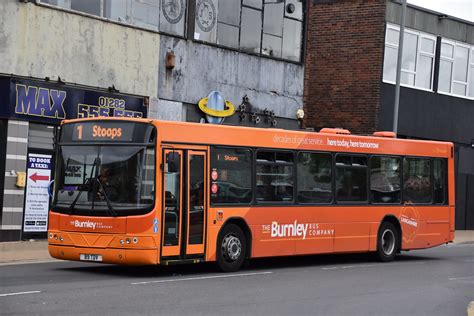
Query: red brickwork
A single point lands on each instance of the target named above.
(344, 64)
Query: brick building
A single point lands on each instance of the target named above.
(350, 67)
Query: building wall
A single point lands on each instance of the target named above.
(200, 69)
(344, 60)
(433, 115)
(41, 42)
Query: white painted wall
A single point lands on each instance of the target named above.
(42, 42)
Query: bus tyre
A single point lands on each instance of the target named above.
(231, 248)
(388, 240)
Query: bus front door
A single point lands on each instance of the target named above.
(184, 203)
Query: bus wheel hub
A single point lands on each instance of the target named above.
(231, 247)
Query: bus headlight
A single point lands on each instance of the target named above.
(135, 240)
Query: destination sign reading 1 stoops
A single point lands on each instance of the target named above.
(106, 131)
(51, 102)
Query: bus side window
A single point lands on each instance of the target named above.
(385, 179)
(314, 174)
(417, 186)
(351, 178)
(439, 177)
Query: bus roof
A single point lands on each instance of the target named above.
(227, 135)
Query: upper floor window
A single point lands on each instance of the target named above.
(264, 27)
(417, 58)
(456, 69)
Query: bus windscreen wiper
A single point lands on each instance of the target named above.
(110, 210)
(86, 186)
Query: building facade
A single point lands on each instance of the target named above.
(351, 70)
(152, 58)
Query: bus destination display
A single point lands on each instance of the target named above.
(114, 131)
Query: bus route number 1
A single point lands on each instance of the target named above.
(79, 131)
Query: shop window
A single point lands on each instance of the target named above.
(456, 69)
(314, 178)
(417, 58)
(385, 180)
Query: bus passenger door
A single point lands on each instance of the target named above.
(172, 204)
(184, 204)
(196, 193)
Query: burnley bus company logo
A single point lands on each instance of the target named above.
(88, 224)
(298, 230)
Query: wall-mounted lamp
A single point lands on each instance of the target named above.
(170, 60)
(300, 114)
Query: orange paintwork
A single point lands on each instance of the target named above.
(330, 228)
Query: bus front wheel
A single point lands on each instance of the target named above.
(388, 240)
(231, 248)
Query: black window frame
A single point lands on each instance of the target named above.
(252, 174)
(371, 202)
(444, 162)
(336, 201)
(293, 164)
(333, 198)
(430, 159)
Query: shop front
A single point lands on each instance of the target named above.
(30, 115)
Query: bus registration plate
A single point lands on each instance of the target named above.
(90, 257)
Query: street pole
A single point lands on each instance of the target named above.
(399, 67)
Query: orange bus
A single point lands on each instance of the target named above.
(145, 192)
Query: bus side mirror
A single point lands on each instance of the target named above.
(173, 161)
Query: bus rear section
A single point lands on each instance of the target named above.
(104, 193)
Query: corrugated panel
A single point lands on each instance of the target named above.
(41, 136)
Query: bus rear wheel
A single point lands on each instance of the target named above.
(388, 240)
(231, 248)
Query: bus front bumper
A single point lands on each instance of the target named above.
(105, 255)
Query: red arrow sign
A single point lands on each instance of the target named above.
(35, 177)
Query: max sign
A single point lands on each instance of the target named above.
(51, 102)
